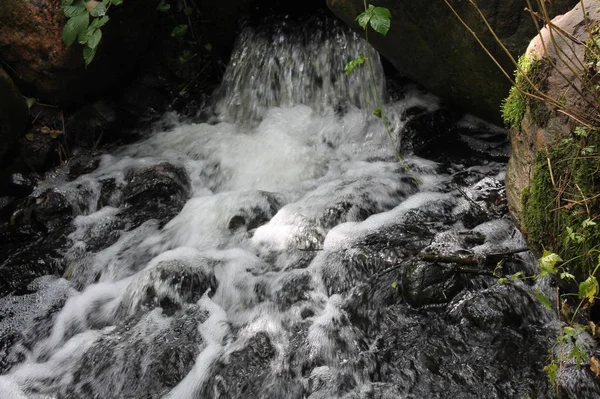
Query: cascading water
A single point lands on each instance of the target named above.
(277, 253)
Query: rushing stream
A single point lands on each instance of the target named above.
(277, 252)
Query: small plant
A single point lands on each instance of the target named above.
(379, 19)
(84, 25)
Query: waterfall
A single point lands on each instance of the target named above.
(278, 252)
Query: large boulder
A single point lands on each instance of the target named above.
(13, 113)
(428, 44)
(552, 176)
(31, 44)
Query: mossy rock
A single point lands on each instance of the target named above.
(563, 198)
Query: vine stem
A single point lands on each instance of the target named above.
(386, 123)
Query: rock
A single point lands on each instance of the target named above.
(31, 43)
(14, 114)
(542, 127)
(242, 373)
(151, 355)
(156, 192)
(425, 283)
(423, 132)
(428, 44)
(169, 285)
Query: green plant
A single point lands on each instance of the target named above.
(379, 19)
(85, 19)
(514, 106)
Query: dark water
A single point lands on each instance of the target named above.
(279, 252)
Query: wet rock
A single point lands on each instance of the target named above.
(169, 285)
(243, 372)
(425, 283)
(366, 256)
(83, 164)
(295, 288)
(52, 209)
(156, 192)
(25, 259)
(482, 202)
(144, 357)
(423, 132)
(414, 355)
(14, 114)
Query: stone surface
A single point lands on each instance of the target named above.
(13, 113)
(537, 134)
(428, 44)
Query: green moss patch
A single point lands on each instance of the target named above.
(530, 75)
(565, 193)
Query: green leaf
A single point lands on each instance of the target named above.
(99, 10)
(567, 276)
(378, 112)
(67, 2)
(381, 20)
(116, 2)
(163, 7)
(188, 11)
(85, 35)
(579, 355)
(580, 131)
(88, 54)
(364, 17)
(588, 222)
(351, 66)
(394, 285)
(30, 101)
(95, 38)
(99, 22)
(588, 289)
(74, 27)
(548, 261)
(543, 299)
(502, 280)
(180, 31)
(74, 10)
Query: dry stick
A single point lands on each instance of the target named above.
(550, 169)
(542, 96)
(585, 200)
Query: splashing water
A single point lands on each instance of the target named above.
(275, 254)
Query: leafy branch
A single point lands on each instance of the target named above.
(85, 20)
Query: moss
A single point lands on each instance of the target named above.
(530, 74)
(549, 209)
